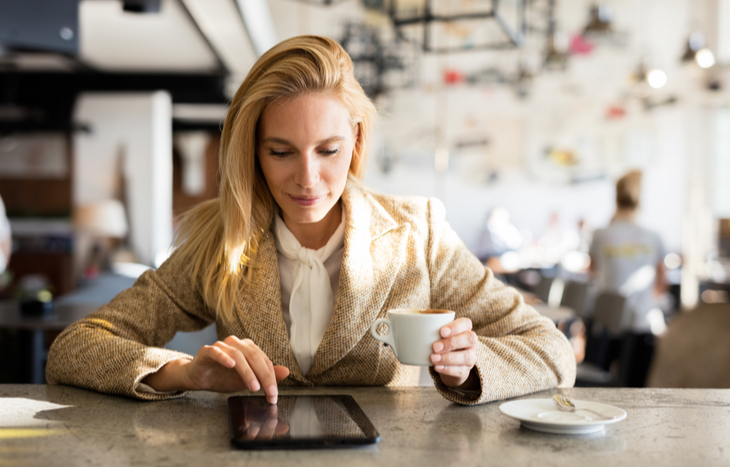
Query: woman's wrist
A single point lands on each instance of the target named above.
(472, 382)
(170, 378)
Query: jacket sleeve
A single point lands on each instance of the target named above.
(118, 345)
(519, 351)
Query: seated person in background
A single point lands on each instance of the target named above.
(499, 235)
(629, 260)
(297, 259)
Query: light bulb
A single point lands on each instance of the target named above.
(705, 58)
(657, 79)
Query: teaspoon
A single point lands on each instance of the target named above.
(564, 404)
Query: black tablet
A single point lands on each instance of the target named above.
(299, 422)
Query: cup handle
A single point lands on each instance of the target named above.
(387, 338)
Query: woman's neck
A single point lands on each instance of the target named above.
(624, 214)
(316, 235)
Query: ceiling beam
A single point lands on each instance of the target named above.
(259, 24)
(44, 101)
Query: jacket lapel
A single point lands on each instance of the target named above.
(261, 313)
(375, 249)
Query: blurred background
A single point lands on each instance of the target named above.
(520, 115)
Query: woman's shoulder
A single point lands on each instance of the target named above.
(401, 208)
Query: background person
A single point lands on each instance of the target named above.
(629, 260)
(295, 261)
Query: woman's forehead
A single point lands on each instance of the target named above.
(306, 115)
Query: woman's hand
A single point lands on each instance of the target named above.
(455, 355)
(227, 366)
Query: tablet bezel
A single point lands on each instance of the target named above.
(371, 435)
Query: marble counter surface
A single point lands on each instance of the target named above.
(64, 426)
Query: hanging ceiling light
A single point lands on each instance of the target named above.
(696, 51)
(601, 27)
(656, 78)
(705, 58)
(599, 21)
(646, 82)
(695, 42)
(647, 79)
(443, 26)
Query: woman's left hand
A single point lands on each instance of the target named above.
(455, 354)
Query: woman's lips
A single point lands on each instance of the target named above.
(306, 200)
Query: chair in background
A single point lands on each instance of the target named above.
(604, 340)
(574, 296)
(695, 351)
(541, 290)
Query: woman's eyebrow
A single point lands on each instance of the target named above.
(331, 139)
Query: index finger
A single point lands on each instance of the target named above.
(458, 326)
(262, 368)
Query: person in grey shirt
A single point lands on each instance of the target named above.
(629, 260)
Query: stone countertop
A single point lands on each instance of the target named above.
(65, 426)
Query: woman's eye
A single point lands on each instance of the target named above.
(330, 152)
(278, 153)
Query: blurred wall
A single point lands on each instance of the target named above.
(129, 142)
(508, 162)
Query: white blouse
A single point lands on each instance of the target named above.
(309, 283)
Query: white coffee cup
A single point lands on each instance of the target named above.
(412, 332)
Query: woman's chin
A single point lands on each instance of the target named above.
(306, 215)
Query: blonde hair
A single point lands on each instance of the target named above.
(628, 190)
(219, 238)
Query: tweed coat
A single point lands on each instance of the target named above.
(399, 253)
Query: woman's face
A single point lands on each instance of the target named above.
(305, 148)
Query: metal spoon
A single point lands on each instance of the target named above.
(566, 405)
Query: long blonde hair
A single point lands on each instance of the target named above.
(219, 238)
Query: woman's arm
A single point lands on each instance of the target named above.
(518, 350)
(114, 348)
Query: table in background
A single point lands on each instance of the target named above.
(64, 426)
(555, 313)
(32, 331)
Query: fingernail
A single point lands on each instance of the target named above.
(438, 347)
(255, 386)
(273, 394)
(435, 358)
(445, 331)
(438, 367)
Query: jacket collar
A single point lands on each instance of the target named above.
(374, 250)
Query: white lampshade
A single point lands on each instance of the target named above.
(102, 218)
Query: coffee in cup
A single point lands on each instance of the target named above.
(412, 332)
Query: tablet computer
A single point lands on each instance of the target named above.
(298, 422)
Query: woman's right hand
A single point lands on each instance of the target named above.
(229, 365)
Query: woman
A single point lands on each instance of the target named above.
(296, 259)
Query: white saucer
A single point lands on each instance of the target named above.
(543, 415)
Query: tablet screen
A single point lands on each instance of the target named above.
(298, 421)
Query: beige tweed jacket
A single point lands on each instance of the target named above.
(399, 253)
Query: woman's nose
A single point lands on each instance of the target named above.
(308, 171)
